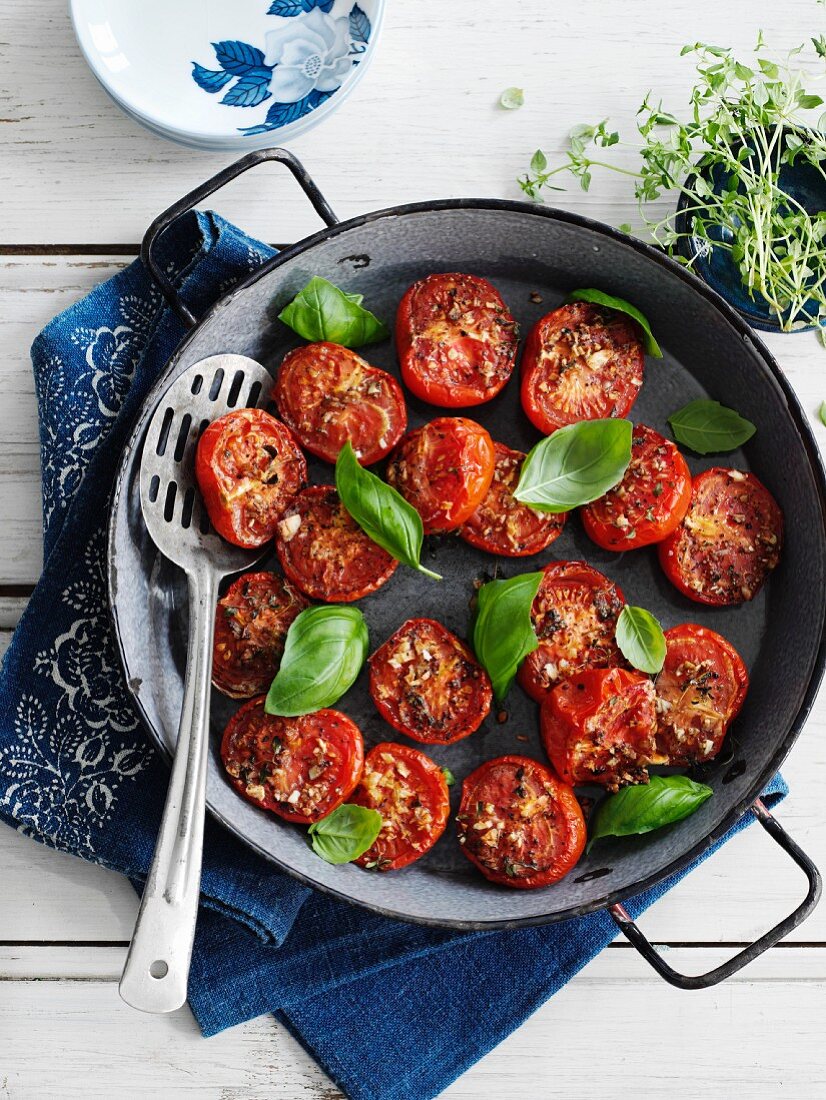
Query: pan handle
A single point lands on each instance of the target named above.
(164, 220)
(702, 981)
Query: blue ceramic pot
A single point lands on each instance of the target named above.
(715, 266)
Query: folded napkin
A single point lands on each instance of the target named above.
(391, 1011)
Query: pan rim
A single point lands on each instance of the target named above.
(795, 412)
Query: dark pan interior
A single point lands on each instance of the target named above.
(707, 352)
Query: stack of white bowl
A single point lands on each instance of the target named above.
(201, 73)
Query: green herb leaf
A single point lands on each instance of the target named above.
(539, 162)
(708, 427)
(625, 228)
(600, 298)
(808, 102)
(641, 809)
(575, 465)
(450, 778)
(346, 833)
(380, 511)
(503, 633)
(323, 654)
(822, 413)
(640, 639)
(512, 99)
(323, 312)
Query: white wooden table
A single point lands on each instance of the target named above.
(78, 185)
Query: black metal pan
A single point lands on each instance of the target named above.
(526, 251)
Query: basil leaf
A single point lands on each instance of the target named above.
(708, 427)
(599, 298)
(640, 639)
(575, 465)
(512, 99)
(323, 654)
(822, 413)
(323, 312)
(450, 778)
(503, 633)
(634, 810)
(380, 511)
(346, 833)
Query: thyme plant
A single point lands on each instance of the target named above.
(744, 125)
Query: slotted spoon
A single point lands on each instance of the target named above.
(157, 965)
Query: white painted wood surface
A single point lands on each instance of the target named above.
(74, 173)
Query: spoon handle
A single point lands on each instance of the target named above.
(155, 974)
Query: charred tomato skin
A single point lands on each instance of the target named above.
(456, 340)
(649, 502)
(428, 685)
(600, 727)
(581, 362)
(299, 768)
(500, 524)
(324, 552)
(410, 792)
(248, 466)
(328, 394)
(444, 468)
(251, 624)
(728, 541)
(574, 615)
(519, 824)
(700, 691)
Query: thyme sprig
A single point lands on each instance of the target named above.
(745, 123)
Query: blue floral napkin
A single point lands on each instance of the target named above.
(391, 1011)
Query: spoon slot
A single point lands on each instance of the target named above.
(183, 436)
(163, 437)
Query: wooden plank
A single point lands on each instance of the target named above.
(11, 608)
(66, 962)
(34, 289)
(424, 122)
(619, 963)
(734, 897)
(88, 1042)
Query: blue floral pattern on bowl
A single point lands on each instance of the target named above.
(306, 57)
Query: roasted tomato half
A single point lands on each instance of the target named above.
(426, 683)
(729, 540)
(574, 615)
(251, 624)
(411, 794)
(444, 470)
(648, 503)
(455, 339)
(699, 693)
(325, 553)
(600, 727)
(248, 466)
(300, 768)
(327, 394)
(519, 824)
(501, 525)
(581, 362)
